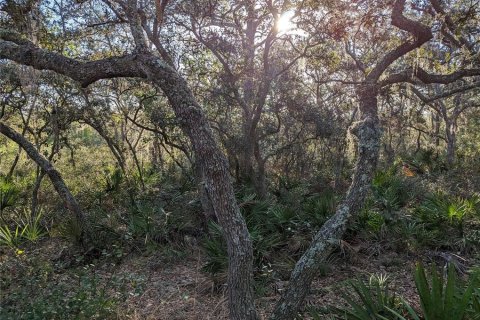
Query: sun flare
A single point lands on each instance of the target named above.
(284, 23)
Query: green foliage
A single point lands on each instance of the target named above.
(42, 298)
(370, 301)
(427, 161)
(216, 250)
(147, 221)
(390, 191)
(27, 227)
(320, 207)
(70, 229)
(440, 300)
(373, 221)
(443, 298)
(411, 234)
(8, 194)
(440, 208)
(442, 214)
(10, 238)
(32, 229)
(113, 178)
(279, 232)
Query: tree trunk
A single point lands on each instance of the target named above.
(211, 162)
(216, 181)
(252, 170)
(136, 161)
(36, 189)
(247, 155)
(367, 130)
(436, 128)
(451, 135)
(260, 181)
(55, 177)
(112, 145)
(207, 207)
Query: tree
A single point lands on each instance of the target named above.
(449, 112)
(153, 60)
(55, 177)
(253, 51)
(368, 133)
(211, 163)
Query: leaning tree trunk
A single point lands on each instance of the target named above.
(55, 177)
(208, 209)
(367, 130)
(216, 182)
(212, 164)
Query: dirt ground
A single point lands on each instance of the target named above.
(180, 290)
(177, 288)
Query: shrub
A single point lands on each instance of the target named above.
(8, 194)
(43, 298)
(32, 230)
(10, 238)
(443, 299)
(27, 227)
(370, 301)
(113, 178)
(390, 191)
(442, 214)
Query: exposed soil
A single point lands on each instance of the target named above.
(176, 288)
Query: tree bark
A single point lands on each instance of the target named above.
(35, 191)
(55, 176)
(111, 143)
(216, 181)
(211, 162)
(368, 133)
(451, 137)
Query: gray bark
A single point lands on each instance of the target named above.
(217, 184)
(55, 176)
(211, 162)
(367, 130)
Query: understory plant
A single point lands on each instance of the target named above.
(32, 228)
(10, 238)
(442, 296)
(390, 191)
(370, 301)
(83, 296)
(279, 232)
(8, 194)
(26, 227)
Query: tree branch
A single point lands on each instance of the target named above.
(414, 75)
(22, 51)
(46, 166)
(421, 33)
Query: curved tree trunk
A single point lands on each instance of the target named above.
(55, 177)
(216, 182)
(211, 162)
(367, 130)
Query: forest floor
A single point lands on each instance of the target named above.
(173, 286)
(180, 290)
